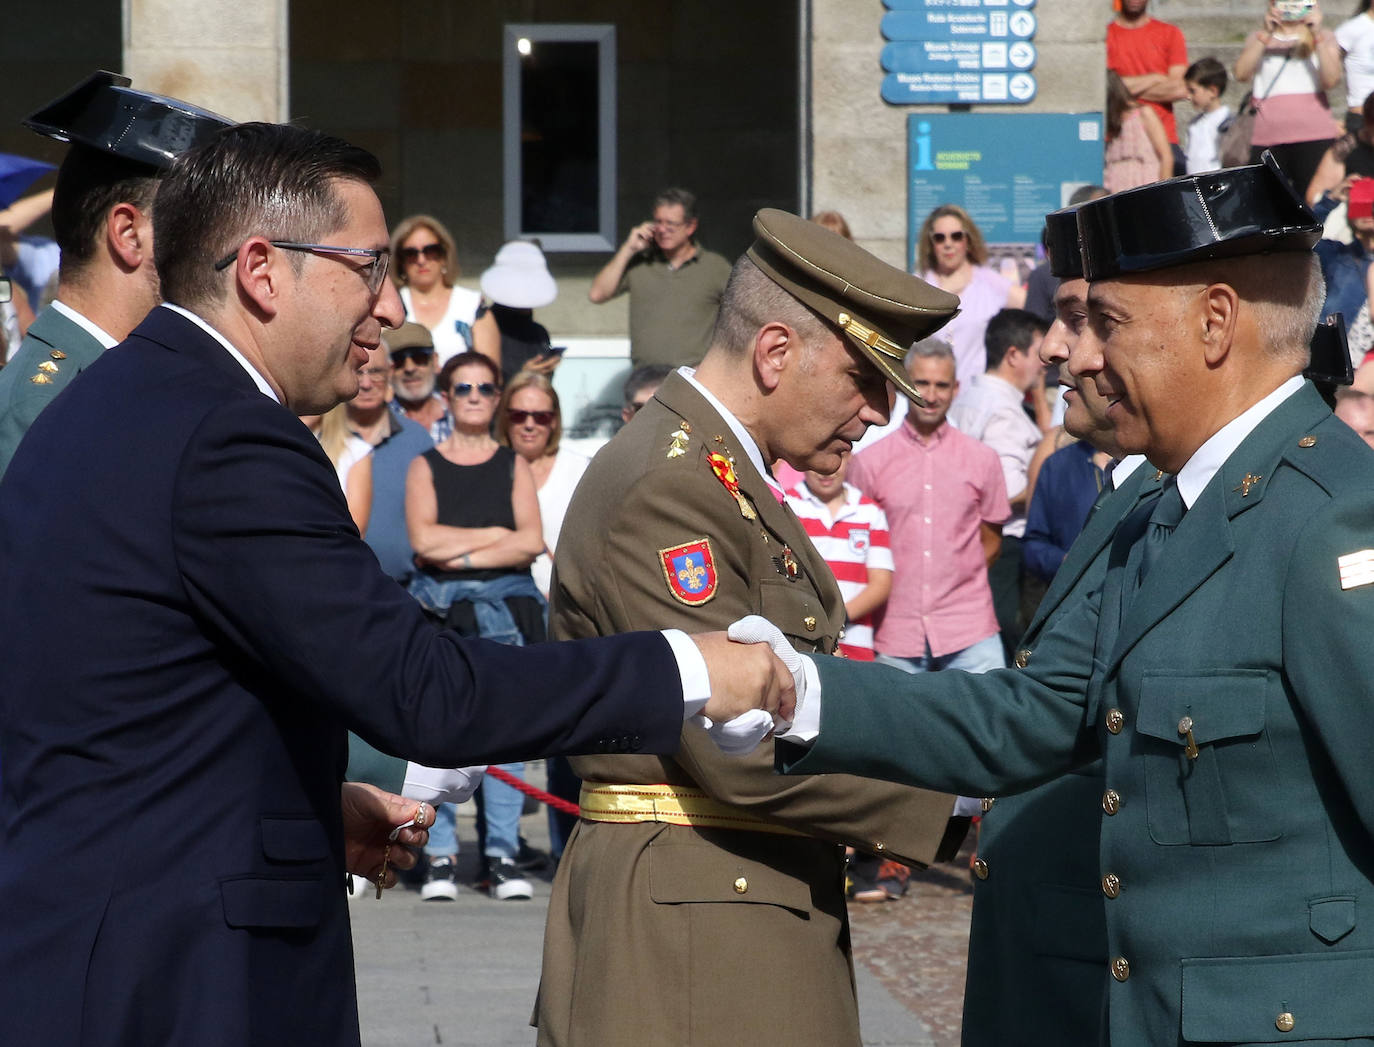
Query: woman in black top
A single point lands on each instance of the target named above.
(473, 518)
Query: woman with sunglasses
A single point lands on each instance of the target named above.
(951, 254)
(424, 266)
(473, 519)
(531, 423)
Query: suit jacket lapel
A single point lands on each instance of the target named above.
(682, 398)
(173, 331)
(1096, 533)
(1205, 539)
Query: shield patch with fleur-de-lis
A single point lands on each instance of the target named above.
(691, 571)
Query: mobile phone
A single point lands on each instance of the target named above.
(1293, 10)
(7, 291)
(555, 350)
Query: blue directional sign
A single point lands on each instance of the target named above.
(930, 22)
(940, 88)
(921, 56)
(1007, 171)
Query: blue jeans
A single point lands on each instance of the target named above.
(975, 658)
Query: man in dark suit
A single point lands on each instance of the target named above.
(1223, 682)
(122, 142)
(172, 840)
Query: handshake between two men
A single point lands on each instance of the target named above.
(746, 683)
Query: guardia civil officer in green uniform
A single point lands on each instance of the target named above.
(701, 897)
(122, 140)
(1224, 683)
(1038, 937)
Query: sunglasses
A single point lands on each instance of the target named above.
(957, 236)
(538, 417)
(415, 354)
(432, 253)
(466, 388)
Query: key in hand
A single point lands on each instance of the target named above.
(381, 877)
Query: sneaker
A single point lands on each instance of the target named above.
(861, 882)
(506, 883)
(441, 882)
(893, 878)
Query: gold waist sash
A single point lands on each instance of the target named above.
(673, 804)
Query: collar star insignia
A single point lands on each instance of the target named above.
(1246, 482)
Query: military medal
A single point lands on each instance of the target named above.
(790, 567)
(1246, 482)
(725, 473)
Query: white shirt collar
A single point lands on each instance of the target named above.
(98, 333)
(253, 372)
(746, 442)
(1198, 471)
(1121, 472)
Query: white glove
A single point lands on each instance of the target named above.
(754, 628)
(740, 736)
(438, 785)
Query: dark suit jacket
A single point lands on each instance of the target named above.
(53, 352)
(1246, 867)
(191, 624)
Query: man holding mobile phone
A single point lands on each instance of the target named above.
(674, 284)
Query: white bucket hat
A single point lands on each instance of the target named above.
(520, 277)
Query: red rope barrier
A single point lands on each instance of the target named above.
(556, 802)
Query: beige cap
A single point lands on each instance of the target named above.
(409, 335)
(882, 309)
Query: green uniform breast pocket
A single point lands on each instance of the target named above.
(1210, 775)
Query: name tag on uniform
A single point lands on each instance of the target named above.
(1356, 568)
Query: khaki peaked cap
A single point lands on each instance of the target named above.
(882, 309)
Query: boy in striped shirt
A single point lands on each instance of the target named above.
(849, 530)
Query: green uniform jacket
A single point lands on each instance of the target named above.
(1038, 941)
(52, 353)
(1241, 871)
(658, 933)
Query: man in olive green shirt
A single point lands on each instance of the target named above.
(674, 284)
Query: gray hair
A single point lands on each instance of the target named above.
(751, 299)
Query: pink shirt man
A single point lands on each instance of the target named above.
(936, 493)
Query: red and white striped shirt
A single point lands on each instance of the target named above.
(852, 542)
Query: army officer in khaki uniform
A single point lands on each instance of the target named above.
(701, 898)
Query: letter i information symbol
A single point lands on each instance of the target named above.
(923, 147)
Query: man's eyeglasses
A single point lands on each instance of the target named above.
(432, 253)
(374, 272)
(538, 417)
(957, 236)
(663, 223)
(417, 354)
(466, 388)
(375, 374)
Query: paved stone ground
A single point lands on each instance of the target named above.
(464, 973)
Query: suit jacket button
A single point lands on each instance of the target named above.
(1285, 1022)
(1023, 657)
(810, 623)
(1111, 885)
(1307, 441)
(1121, 968)
(741, 885)
(980, 869)
(1116, 720)
(1111, 802)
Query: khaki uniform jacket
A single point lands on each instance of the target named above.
(668, 934)
(1242, 853)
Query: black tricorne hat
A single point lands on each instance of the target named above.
(105, 113)
(1220, 214)
(1061, 244)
